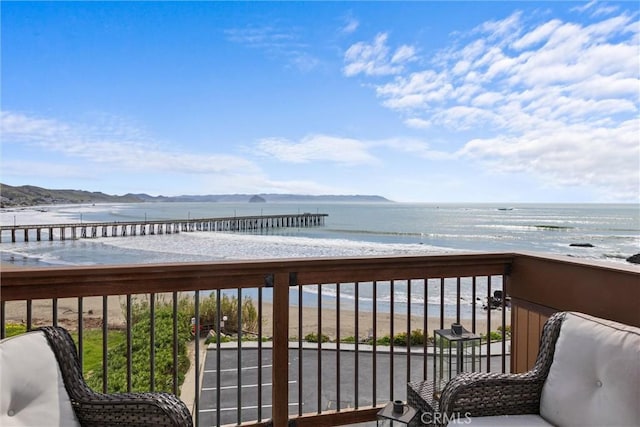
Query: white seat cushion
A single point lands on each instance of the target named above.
(502, 421)
(32, 391)
(594, 379)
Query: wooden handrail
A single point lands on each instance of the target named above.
(58, 282)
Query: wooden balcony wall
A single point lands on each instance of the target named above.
(542, 285)
(26, 284)
(537, 284)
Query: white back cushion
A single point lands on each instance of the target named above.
(32, 391)
(594, 379)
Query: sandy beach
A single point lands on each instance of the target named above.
(92, 307)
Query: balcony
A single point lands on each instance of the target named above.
(279, 377)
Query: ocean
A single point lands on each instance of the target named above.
(351, 229)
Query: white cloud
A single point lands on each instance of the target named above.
(417, 123)
(553, 98)
(415, 147)
(502, 30)
(314, 148)
(560, 157)
(280, 43)
(596, 7)
(537, 35)
(376, 59)
(351, 26)
(117, 145)
(27, 169)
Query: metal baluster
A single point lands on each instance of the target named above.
(152, 342)
(129, 344)
(80, 333)
(357, 347)
(239, 357)
(259, 354)
(391, 332)
(319, 390)
(338, 348)
(175, 343)
(375, 342)
(300, 376)
(488, 323)
(408, 330)
(105, 331)
(54, 311)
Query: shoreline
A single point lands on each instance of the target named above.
(15, 312)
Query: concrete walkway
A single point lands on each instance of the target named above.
(188, 391)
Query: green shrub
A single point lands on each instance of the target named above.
(141, 338)
(228, 307)
(213, 339)
(417, 337)
(493, 336)
(385, 340)
(312, 337)
(400, 339)
(348, 340)
(507, 330)
(11, 329)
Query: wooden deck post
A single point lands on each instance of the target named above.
(280, 374)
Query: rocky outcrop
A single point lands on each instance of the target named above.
(634, 259)
(582, 245)
(257, 199)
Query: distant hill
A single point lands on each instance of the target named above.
(28, 195)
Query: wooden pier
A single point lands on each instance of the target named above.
(88, 230)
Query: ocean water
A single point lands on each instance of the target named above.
(351, 229)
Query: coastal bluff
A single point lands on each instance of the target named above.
(29, 195)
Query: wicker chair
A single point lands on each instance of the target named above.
(88, 407)
(586, 373)
(486, 394)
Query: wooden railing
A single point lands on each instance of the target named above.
(536, 284)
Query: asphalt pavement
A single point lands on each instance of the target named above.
(239, 391)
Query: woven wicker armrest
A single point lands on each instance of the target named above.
(132, 409)
(120, 409)
(483, 394)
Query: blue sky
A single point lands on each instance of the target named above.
(414, 101)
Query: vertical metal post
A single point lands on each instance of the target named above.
(319, 389)
(391, 332)
(356, 388)
(54, 311)
(441, 303)
(105, 332)
(488, 323)
(408, 330)
(375, 342)
(152, 342)
(129, 322)
(425, 328)
(473, 305)
(300, 373)
(80, 332)
(259, 354)
(218, 354)
(196, 308)
(280, 398)
(3, 329)
(239, 357)
(29, 315)
(504, 323)
(338, 348)
(458, 299)
(175, 342)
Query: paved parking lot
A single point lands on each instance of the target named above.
(241, 404)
